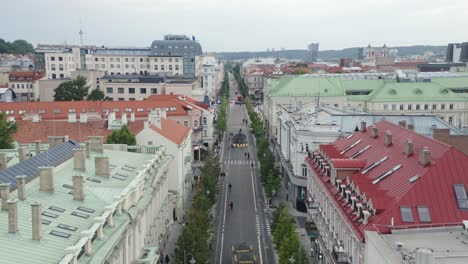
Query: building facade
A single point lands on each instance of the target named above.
(312, 52)
(25, 84)
(77, 217)
(378, 179)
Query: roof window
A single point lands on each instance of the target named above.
(67, 227)
(423, 214)
(373, 165)
(49, 214)
(406, 214)
(360, 151)
(80, 214)
(86, 209)
(383, 176)
(93, 180)
(60, 234)
(45, 222)
(57, 209)
(460, 193)
(351, 146)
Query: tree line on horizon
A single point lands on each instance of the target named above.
(18, 46)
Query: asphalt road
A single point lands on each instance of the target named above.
(249, 220)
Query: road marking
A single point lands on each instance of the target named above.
(222, 230)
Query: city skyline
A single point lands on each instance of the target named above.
(224, 25)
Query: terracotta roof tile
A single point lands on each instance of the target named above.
(172, 130)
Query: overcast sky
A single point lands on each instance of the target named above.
(238, 25)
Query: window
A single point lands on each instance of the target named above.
(434, 107)
(60, 58)
(385, 107)
(126, 66)
(418, 107)
(141, 59)
(131, 99)
(195, 123)
(304, 170)
(118, 66)
(406, 214)
(409, 107)
(451, 106)
(96, 66)
(121, 99)
(103, 66)
(111, 59)
(393, 107)
(109, 90)
(176, 59)
(402, 107)
(52, 66)
(307, 147)
(121, 90)
(117, 59)
(133, 59)
(204, 120)
(126, 59)
(112, 66)
(103, 59)
(170, 67)
(450, 120)
(423, 214)
(186, 123)
(155, 67)
(131, 90)
(162, 67)
(426, 107)
(460, 193)
(170, 59)
(54, 76)
(442, 107)
(143, 90)
(62, 76)
(96, 59)
(154, 90)
(155, 59)
(52, 58)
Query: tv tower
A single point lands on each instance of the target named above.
(81, 37)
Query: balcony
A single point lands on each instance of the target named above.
(339, 256)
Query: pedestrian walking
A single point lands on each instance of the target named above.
(248, 155)
(251, 164)
(167, 259)
(231, 204)
(230, 186)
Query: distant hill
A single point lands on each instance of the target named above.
(328, 54)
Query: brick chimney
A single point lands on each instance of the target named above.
(21, 185)
(36, 221)
(12, 216)
(46, 179)
(95, 143)
(3, 161)
(363, 126)
(425, 156)
(388, 138)
(374, 132)
(37, 144)
(79, 159)
(78, 194)
(402, 123)
(101, 165)
(408, 148)
(4, 194)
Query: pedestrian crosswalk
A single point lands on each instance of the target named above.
(238, 162)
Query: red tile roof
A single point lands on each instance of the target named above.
(60, 110)
(173, 131)
(26, 75)
(348, 163)
(433, 188)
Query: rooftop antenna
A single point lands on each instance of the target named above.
(81, 37)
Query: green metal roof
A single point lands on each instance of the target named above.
(21, 248)
(380, 90)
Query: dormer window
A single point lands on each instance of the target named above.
(350, 147)
(460, 193)
(423, 214)
(360, 151)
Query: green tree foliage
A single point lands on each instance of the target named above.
(97, 95)
(195, 238)
(16, 47)
(74, 90)
(221, 121)
(122, 136)
(285, 237)
(7, 129)
(240, 81)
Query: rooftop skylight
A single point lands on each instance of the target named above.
(351, 146)
(360, 151)
(60, 234)
(86, 209)
(373, 165)
(383, 176)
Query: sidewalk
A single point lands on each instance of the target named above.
(300, 220)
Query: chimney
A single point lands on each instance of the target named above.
(21, 185)
(37, 144)
(71, 117)
(366, 217)
(46, 179)
(83, 117)
(23, 153)
(88, 154)
(411, 127)
(363, 126)
(402, 123)
(12, 216)
(3, 161)
(36, 221)
(425, 156)
(79, 159)
(408, 148)
(55, 140)
(78, 194)
(95, 143)
(388, 138)
(4, 193)
(132, 117)
(102, 166)
(374, 132)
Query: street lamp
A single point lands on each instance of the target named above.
(292, 260)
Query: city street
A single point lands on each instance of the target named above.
(249, 220)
